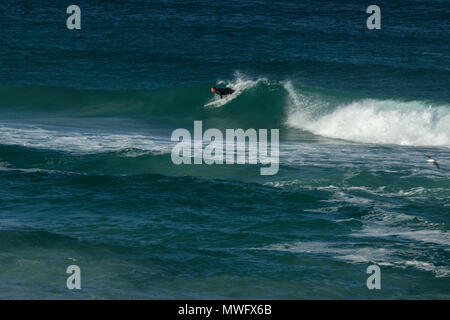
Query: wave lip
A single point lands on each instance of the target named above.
(413, 123)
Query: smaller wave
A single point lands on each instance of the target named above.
(38, 170)
(79, 142)
(396, 225)
(353, 255)
(381, 256)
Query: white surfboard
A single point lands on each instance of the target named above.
(218, 102)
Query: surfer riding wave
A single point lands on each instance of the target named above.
(222, 91)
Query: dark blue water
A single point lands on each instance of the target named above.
(86, 175)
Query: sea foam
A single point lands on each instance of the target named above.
(413, 123)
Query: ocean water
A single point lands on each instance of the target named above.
(86, 176)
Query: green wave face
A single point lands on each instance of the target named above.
(260, 103)
(172, 105)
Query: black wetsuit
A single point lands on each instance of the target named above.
(224, 91)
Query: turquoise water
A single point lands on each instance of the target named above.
(86, 176)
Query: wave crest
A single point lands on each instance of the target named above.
(413, 123)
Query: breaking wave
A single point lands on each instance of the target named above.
(257, 103)
(413, 123)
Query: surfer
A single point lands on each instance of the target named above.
(222, 91)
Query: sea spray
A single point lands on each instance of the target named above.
(412, 123)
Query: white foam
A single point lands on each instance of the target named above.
(348, 253)
(38, 170)
(339, 252)
(411, 123)
(78, 142)
(422, 235)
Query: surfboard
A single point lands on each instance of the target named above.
(218, 102)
